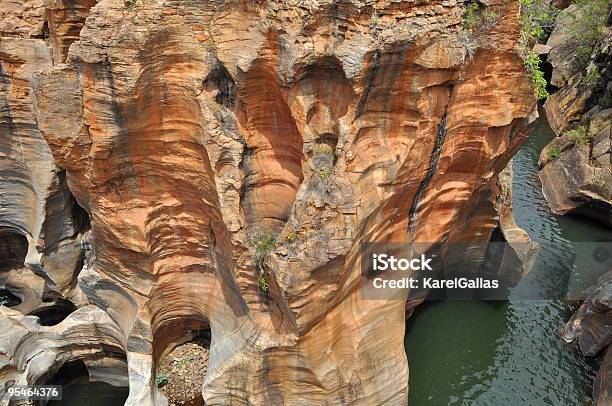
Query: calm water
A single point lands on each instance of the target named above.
(83, 393)
(508, 353)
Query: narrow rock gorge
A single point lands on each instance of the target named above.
(176, 168)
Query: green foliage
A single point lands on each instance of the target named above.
(553, 153)
(587, 27)
(532, 64)
(477, 17)
(262, 243)
(161, 379)
(591, 79)
(324, 173)
(292, 236)
(580, 135)
(471, 16)
(477, 20)
(263, 283)
(537, 20)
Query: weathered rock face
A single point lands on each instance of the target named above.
(185, 130)
(602, 390)
(576, 174)
(576, 171)
(40, 223)
(591, 329)
(64, 19)
(579, 178)
(591, 324)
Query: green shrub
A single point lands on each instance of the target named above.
(580, 135)
(161, 379)
(587, 28)
(292, 236)
(532, 64)
(591, 79)
(477, 18)
(471, 16)
(263, 283)
(324, 173)
(537, 21)
(477, 21)
(262, 243)
(553, 153)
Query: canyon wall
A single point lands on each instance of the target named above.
(576, 170)
(217, 165)
(576, 167)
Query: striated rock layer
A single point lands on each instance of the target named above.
(188, 130)
(40, 222)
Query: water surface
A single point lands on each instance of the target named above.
(81, 392)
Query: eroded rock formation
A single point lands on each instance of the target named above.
(187, 129)
(591, 329)
(40, 222)
(576, 169)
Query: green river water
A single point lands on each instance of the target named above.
(508, 353)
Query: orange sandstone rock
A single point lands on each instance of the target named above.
(185, 126)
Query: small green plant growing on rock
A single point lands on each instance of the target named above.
(262, 243)
(591, 79)
(470, 17)
(263, 283)
(537, 21)
(478, 18)
(291, 237)
(553, 153)
(580, 135)
(477, 21)
(322, 165)
(161, 379)
(588, 27)
(532, 64)
(324, 173)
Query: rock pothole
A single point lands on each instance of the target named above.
(54, 314)
(8, 299)
(181, 373)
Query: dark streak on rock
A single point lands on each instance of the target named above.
(433, 166)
